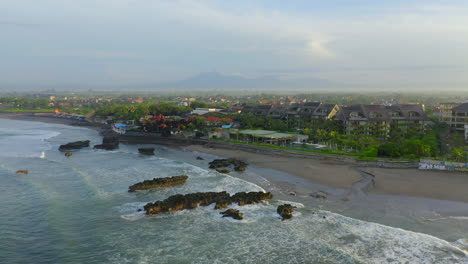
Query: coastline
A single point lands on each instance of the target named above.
(47, 118)
(346, 186)
(337, 174)
(437, 185)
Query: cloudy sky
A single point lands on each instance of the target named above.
(397, 44)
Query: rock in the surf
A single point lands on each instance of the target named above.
(192, 200)
(235, 214)
(158, 182)
(68, 154)
(146, 151)
(285, 211)
(106, 146)
(74, 145)
(222, 163)
(108, 143)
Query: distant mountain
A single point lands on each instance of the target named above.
(215, 80)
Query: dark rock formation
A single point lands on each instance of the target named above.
(158, 182)
(222, 163)
(192, 200)
(235, 214)
(146, 151)
(108, 143)
(68, 154)
(200, 158)
(110, 140)
(107, 146)
(285, 211)
(223, 170)
(74, 145)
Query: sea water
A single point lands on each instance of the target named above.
(78, 210)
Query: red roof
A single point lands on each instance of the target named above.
(213, 119)
(228, 119)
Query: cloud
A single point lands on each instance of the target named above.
(319, 48)
(188, 36)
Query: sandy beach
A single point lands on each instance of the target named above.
(438, 185)
(406, 182)
(46, 118)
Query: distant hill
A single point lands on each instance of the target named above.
(215, 80)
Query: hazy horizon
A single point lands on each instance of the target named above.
(188, 45)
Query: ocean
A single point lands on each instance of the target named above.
(79, 210)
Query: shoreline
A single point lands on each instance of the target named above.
(349, 190)
(48, 118)
(329, 172)
(448, 186)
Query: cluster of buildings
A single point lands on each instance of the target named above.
(360, 119)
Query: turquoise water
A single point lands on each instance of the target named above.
(78, 210)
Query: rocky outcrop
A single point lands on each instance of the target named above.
(74, 145)
(68, 154)
(158, 182)
(222, 163)
(235, 214)
(200, 158)
(110, 140)
(108, 143)
(146, 151)
(225, 171)
(193, 200)
(285, 211)
(22, 171)
(107, 146)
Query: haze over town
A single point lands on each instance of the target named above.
(268, 45)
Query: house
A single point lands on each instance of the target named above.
(459, 117)
(378, 120)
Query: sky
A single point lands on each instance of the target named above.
(378, 45)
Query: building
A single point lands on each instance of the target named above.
(459, 117)
(379, 120)
(445, 110)
(466, 134)
(204, 111)
(300, 114)
(267, 137)
(297, 114)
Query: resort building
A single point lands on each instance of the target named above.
(459, 117)
(299, 114)
(445, 110)
(379, 120)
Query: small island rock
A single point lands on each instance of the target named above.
(235, 214)
(285, 211)
(158, 182)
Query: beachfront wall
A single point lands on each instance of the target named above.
(442, 165)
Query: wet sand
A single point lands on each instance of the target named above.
(438, 185)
